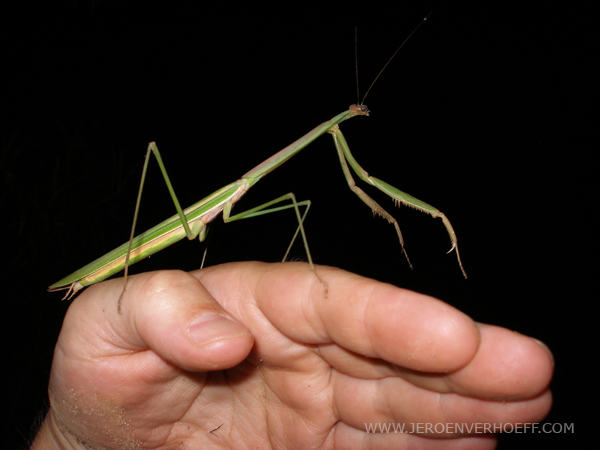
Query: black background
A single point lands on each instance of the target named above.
(486, 113)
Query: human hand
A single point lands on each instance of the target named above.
(289, 368)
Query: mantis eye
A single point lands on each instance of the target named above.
(363, 109)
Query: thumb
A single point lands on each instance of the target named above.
(170, 313)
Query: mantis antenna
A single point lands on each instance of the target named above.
(386, 64)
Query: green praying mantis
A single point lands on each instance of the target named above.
(192, 222)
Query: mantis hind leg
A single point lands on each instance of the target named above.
(191, 234)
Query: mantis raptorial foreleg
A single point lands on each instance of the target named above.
(397, 195)
(375, 207)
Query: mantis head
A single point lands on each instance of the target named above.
(360, 110)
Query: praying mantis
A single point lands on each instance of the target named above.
(192, 222)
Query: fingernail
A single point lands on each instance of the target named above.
(213, 327)
(545, 347)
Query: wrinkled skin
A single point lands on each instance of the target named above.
(273, 362)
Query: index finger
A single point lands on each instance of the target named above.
(362, 315)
